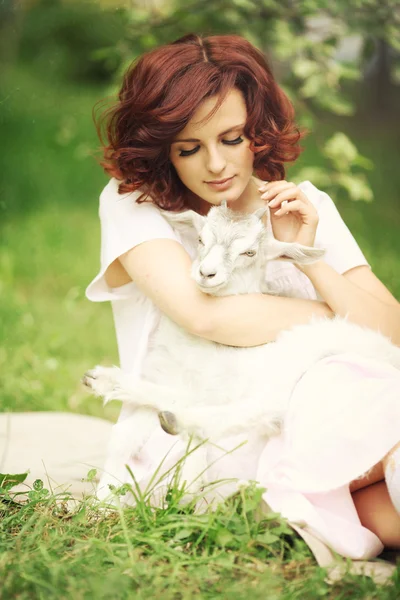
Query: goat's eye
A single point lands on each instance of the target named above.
(201, 241)
(249, 253)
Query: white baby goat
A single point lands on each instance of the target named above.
(212, 390)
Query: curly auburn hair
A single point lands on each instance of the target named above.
(159, 95)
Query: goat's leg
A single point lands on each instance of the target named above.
(215, 422)
(127, 439)
(114, 384)
(181, 410)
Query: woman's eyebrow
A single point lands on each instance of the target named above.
(222, 133)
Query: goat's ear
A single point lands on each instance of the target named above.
(292, 252)
(260, 212)
(185, 220)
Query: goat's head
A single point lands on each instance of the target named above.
(229, 242)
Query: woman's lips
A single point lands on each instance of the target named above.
(221, 186)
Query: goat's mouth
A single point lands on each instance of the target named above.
(210, 284)
(208, 287)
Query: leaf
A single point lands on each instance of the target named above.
(356, 186)
(182, 534)
(12, 480)
(312, 86)
(303, 67)
(341, 150)
(349, 71)
(91, 474)
(267, 538)
(38, 485)
(224, 537)
(271, 516)
(336, 104)
(364, 162)
(320, 177)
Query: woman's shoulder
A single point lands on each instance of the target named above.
(111, 199)
(122, 217)
(315, 195)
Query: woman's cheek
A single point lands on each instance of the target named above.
(187, 173)
(248, 154)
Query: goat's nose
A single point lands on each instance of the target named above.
(207, 275)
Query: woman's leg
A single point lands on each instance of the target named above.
(373, 476)
(377, 513)
(391, 465)
(373, 502)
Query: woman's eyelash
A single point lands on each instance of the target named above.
(229, 142)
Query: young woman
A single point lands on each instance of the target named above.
(198, 121)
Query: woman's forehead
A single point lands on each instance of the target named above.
(231, 113)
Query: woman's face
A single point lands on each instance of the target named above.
(215, 151)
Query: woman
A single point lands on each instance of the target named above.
(194, 121)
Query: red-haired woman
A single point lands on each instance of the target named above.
(198, 121)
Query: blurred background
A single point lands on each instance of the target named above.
(339, 63)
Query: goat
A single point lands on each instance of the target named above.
(210, 390)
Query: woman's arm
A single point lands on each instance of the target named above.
(359, 295)
(161, 270)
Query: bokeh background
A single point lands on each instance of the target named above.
(339, 63)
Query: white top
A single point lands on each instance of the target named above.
(125, 224)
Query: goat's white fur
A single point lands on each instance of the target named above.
(216, 390)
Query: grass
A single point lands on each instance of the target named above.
(49, 550)
(171, 552)
(51, 334)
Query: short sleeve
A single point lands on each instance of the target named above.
(124, 224)
(342, 251)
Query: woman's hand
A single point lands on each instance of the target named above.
(293, 217)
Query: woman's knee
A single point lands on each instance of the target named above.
(373, 476)
(377, 513)
(389, 456)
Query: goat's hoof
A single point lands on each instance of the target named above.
(102, 380)
(168, 422)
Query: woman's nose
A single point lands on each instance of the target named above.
(216, 162)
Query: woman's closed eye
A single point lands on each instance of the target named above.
(238, 140)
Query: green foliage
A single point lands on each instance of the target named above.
(86, 41)
(53, 547)
(68, 38)
(305, 63)
(343, 158)
(171, 551)
(8, 481)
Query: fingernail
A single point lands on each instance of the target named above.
(264, 195)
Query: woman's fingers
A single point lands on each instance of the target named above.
(274, 188)
(283, 191)
(283, 204)
(289, 195)
(294, 218)
(299, 207)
